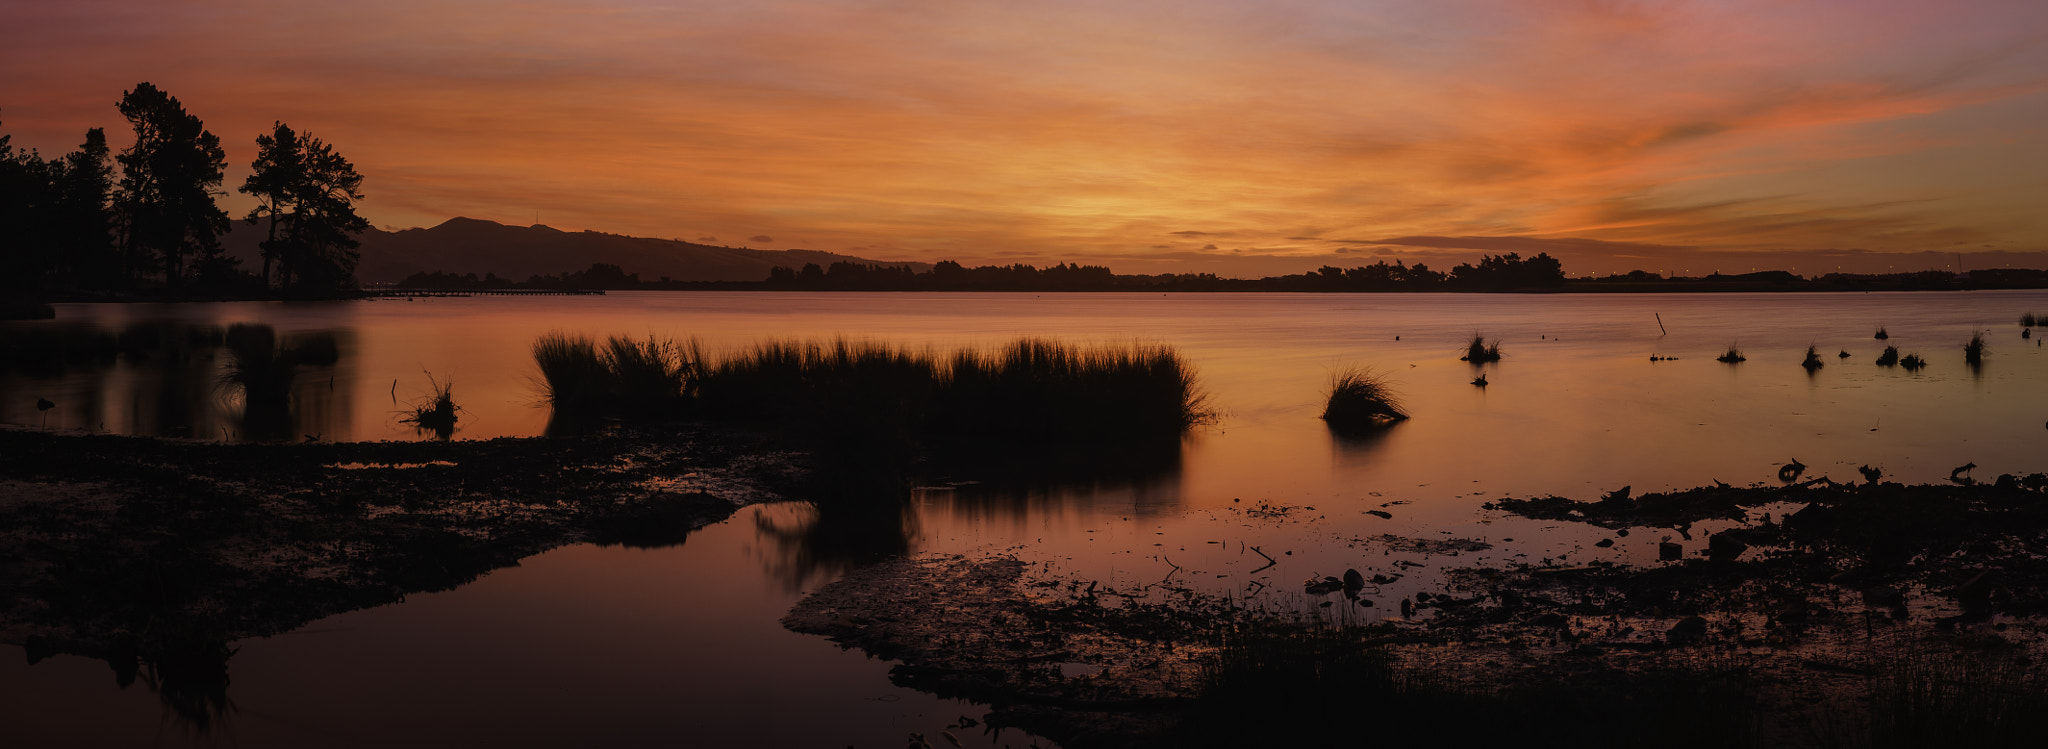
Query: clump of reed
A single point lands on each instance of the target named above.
(1912, 362)
(1361, 399)
(1916, 699)
(1732, 356)
(1035, 389)
(2029, 319)
(624, 378)
(572, 375)
(1479, 351)
(858, 404)
(1813, 361)
(1889, 357)
(434, 414)
(1881, 335)
(870, 405)
(1973, 352)
(649, 378)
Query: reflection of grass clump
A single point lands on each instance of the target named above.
(1478, 351)
(1889, 357)
(1912, 362)
(1973, 352)
(1732, 356)
(1360, 399)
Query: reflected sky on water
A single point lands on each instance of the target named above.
(627, 644)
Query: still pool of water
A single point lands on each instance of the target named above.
(610, 645)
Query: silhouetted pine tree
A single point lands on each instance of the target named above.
(307, 191)
(169, 179)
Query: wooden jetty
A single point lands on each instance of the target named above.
(389, 292)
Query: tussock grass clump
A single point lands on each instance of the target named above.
(1036, 389)
(1973, 352)
(624, 378)
(873, 404)
(572, 375)
(1881, 335)
(649, 378)
(436, 413)
(1912, 362)
(1889, 357)
(798, 381)
(1732, 356)
(1361, 399)
(1479, 351)
(1813, 361)
(2029, 320)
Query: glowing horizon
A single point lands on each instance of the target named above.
(1146, 136)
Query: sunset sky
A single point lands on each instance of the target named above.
(1195, 135)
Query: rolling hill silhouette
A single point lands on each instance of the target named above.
(466, 245)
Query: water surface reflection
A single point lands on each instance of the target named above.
(172, 378)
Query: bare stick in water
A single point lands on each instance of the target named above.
(1660, 324)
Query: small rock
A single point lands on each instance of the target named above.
(1722, 547)
(1687, 631)
(1605, 543)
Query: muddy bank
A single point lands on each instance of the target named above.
(1806, 615)
(154, 555)
(1078, 663)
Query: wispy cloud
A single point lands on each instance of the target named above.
(1071, 129)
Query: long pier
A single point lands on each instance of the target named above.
(480, 292)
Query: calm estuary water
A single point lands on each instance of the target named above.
(588, 645)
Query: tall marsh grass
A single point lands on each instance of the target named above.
(1036, 389)
(1361, 399)
(873, 402)
(624, 378)
(1973, 352)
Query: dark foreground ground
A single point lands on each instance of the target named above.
(1816, 614)
(154, 555)
(1879, 615)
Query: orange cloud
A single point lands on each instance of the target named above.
(986, 131)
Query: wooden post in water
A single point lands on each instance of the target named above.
(1660, 324)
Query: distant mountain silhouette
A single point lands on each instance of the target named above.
(467, 245)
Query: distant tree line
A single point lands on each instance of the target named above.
(1493, 273)
(76, 224)
(597, 276)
